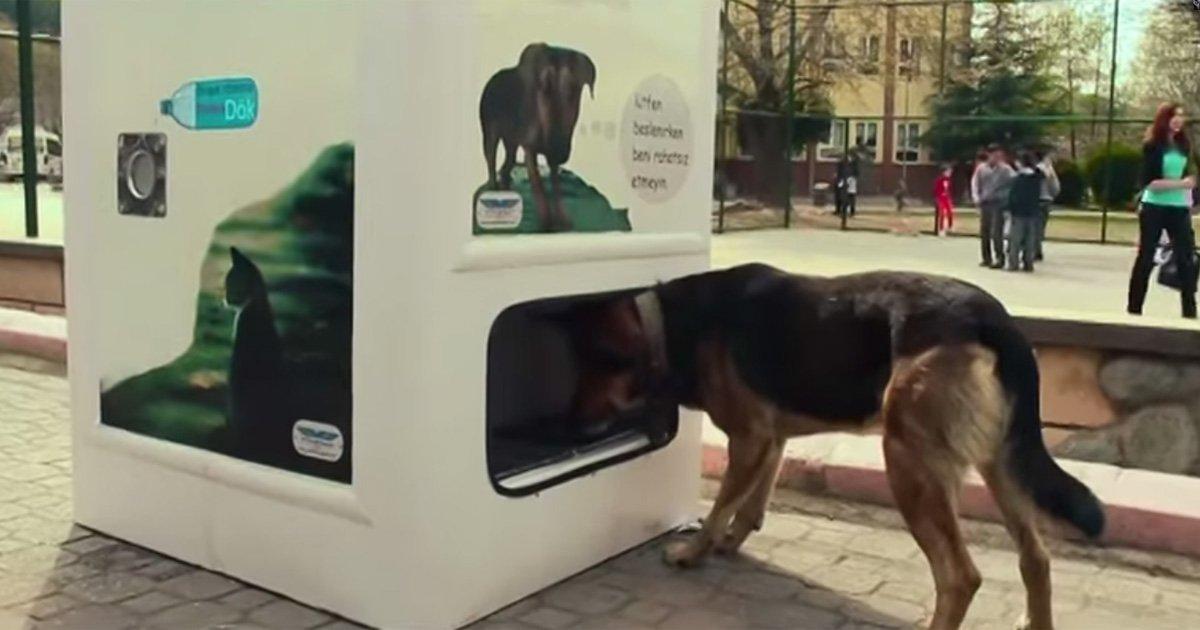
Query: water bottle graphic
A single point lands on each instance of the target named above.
(226, 103)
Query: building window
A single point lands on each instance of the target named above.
(831, 147)
(910, 62)
(866, 138)
(908, 142)
(962, 55)
(833, 47)
(870, 53)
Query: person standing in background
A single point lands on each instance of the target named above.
(852, 186)
(1167, 178)
(839, 186)
(1050, 190)
(1024, 208)
(980, 160)
(993, 179)
(943, 202)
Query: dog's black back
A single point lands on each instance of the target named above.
(821, 347)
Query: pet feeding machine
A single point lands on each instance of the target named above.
(315, 307)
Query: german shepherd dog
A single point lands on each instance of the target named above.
(771, 355)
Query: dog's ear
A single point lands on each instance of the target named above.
(583, 71)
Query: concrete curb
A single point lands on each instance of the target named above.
(33, 334)
(1145, 510)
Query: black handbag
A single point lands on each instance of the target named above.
(1168, 271)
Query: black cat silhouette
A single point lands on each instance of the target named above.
(270, 391)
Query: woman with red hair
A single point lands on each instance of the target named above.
(1166, 206)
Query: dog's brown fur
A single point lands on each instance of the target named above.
(944, 409)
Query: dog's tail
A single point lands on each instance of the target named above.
(1051, 488)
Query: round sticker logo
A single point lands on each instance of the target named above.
(656, 139)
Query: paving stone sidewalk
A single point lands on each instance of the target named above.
(803, 571)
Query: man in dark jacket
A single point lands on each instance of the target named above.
(1024, 208)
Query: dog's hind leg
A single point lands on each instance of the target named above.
(748, 454)
(1021, 520)
(943, 412)
(749, 518)
(929, 508)
(545, 213)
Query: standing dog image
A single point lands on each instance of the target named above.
(535, 106)
(771, 355)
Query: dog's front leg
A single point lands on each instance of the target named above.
(749, 518)
(559, 216)
(748, 454)
(545, 213)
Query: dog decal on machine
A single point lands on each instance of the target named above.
(534, 106)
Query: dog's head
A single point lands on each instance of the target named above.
(556, 78)
(615, 363)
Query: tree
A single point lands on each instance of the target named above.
(1165, 66)
(1112, 174)
(47, 85)
(1006, 77)
(1071, 39)
(44, 14)
(47, 82)
(755, 34)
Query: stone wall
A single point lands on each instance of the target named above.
(31, 277)
(1131, 410)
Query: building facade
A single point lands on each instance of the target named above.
(875, 65)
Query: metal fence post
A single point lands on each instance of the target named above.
(28, 123)
(791, 112)
(721, 89)
(1108, 165)
(942, 54)
(845, 212)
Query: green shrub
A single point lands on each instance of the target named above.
(1070, 180)
(1125, 181)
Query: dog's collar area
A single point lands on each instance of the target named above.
(650, 312)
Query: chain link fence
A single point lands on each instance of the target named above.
(841, 115)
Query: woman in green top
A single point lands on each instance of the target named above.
(1166, 206)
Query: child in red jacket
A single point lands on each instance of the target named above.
(945, 206)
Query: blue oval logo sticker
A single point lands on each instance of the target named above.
(499, 209)
(317, 440)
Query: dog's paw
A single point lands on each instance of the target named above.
(729, 545)
(682, 554)
(733, 540)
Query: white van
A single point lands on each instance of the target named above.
(49, 154)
